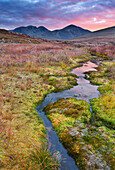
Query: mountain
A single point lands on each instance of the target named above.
(12, 37)
(69, 32)
(106, 30)
(66, 33)
(103, 35)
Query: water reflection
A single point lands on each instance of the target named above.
(85, 91)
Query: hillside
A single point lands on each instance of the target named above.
(106, 30)
(68, 32)
(11, 37)
(102, 36)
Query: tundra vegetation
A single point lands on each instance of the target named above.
(30, 71)
(90, 142)
(27, 73)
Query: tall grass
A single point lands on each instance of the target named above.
(43, 158)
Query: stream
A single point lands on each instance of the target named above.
(83, 91)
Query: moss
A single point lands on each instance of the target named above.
(61, 82)
(85, 143)
(103, 109)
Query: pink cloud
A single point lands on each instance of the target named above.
(58, 13)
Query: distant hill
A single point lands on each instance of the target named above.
(103, 35)
(76, 33)
(106, 30)
(66, 33)
(11, 37)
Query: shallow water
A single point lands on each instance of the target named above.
(83, 91)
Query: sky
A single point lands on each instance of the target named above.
(56, 14)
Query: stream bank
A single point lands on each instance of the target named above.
(83, 91)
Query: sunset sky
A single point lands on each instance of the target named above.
(56, 14)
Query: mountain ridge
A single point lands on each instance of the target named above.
(68, 32)
(103, 35)
(105, 29)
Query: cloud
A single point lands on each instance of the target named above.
(56, 14)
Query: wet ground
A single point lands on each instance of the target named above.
(83, 91)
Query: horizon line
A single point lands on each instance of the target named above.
(58, 28)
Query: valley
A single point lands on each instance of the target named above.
(29, 70)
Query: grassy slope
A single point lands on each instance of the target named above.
(27, 74)
(11, 37)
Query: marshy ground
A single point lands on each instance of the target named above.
(27, 74)
(90, 140)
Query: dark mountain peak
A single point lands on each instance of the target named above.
(31, 27)
(72, 26)
(42, 28)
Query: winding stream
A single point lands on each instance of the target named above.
(83, 91)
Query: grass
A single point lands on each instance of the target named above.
(42, 159)
(104, 106)
(26, 72)
(92, 146)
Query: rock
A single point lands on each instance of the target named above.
(85, 132)
(57, 155)
(73, 132)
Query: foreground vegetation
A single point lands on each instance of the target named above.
(91, 144)
(27, 74)
(104, 107)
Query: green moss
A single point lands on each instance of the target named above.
(87, 144)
